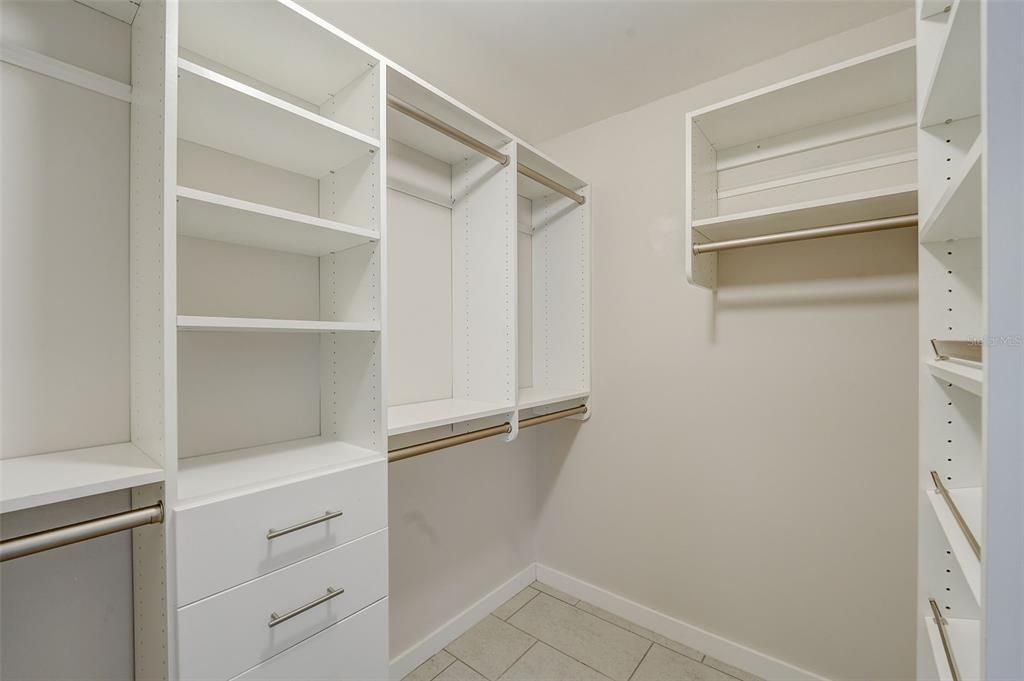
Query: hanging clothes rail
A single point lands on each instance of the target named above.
(483, 433)
(473, 143)
(37, 542)
(804, 234)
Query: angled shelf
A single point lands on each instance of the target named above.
(965, 641)
(933, 7)
(968, 502)
(29, 481)
(201, 323)
(954, 88)
(205, 215)
(200, 477)
(968, 376)
(222, 113)
(407, 418)
(957, 215)
(539, 397)
(869, 205)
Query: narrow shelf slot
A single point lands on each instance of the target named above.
(200, 477)
(883, 203)
(957, 215)
(29, 481)
(968, 376)
(954, 89)
(965, 640)
(205, 215)
(219, 112)
(968, 502)
(407, 418)
(200, 323)
(539, 396)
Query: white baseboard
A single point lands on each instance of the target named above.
(730, 652)
(460, 624)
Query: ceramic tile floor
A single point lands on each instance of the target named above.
(543, 634)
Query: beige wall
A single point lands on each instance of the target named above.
(750, 464)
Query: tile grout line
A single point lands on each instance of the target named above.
(535, 642)
(646, 653)
(474, 669)
(444, 669)
(452, 653)
(521, 606)
(557, 649)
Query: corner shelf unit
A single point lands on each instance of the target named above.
(831, 147)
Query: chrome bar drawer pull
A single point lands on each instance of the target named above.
(274, 534)
(276, 619)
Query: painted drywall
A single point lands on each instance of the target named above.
(750, 464)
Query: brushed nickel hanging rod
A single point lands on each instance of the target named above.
(37, 542)
(473, 143)
(481, 434)
(804, 234)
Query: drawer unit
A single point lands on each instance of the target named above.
(355, 649)
(221, 636)
(226, 542)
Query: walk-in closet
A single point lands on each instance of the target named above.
(511, 341)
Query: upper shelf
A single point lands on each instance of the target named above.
(276, 42)
(873, 81)
(954, 89)
(219, 112)
(538, 397)
(870, 205)
(957, 215)
(29, 481)
(223, 218)
(200, 323)
(535, 160)
(407, 418)
(968, 376)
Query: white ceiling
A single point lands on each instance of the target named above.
(541, 69)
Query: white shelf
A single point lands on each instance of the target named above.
(534, 159)
(957, 215)
(538, 397)
(223, 218)
(199, 323)
(965, 640)
(879, 203)
(219, 112)
(407, 418)
(277, 43)
(968, 501)
(29, 481)
(199, 477)
(954, 89)
(867, 83)
(965, 375)
(933, 7)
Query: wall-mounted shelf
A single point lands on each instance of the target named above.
(957, 215)
(200, 323)
(220, 112)
(406, 418)
(532, 397)
(205, 215)
(30, 481)
(965, 641)
(968, 501)
(966, 375)
(954, 89)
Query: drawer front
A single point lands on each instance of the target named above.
(225, 543)
(222, 636)
(355, 649)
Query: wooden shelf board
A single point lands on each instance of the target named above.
(869, 205)
(965, 640)
(29, 481)
(965, 375)
(957, 215)
(201, 477)
(954, 89)
(407, 418)
(222, 218)
(968, 501)
(201, 323)
(873, 81)
(277, 43)
(219, 112)
(540, 396)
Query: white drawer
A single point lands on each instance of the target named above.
(223, 635)
(355, 649)
(224, 543)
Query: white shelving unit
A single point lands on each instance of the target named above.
(830, 147)
(451, 266)
(554, 287)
